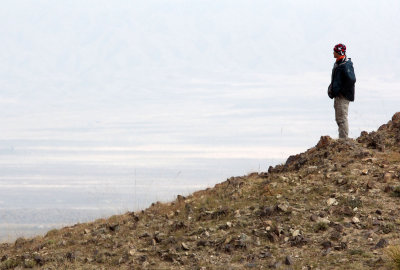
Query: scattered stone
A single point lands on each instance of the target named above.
(251, 265)
(335, 236)
(396, 117)
(273, 237)
(376, 222)
(243, 241)
(228, 248)
(114, 227)
(332, 201)
(341, 246)
(28, 263)
(326, 244)
(283, 207)
(38, 259)
(267, 211)
(338, 227)
(257, 242)
(168, 256)
(286, 239)
(368, 234)
(237, 214)
(344, 211)
(144, 235)
(341, 181)
(323, 220)
(180, 198)
(370, 185)
(387, 228)
(387, 177)
(378, 212)
(265, 254)
(207, 215)
(283, 178)
(323, 214)
(134, 216)
(348, 211)
(159, 237)
(62, 243)
(202, 243)
(298, 241)
(20, 242)
(275, 265)
(142, 258)
(355, 220)
(388, 189)
(324, 141)
(382, 243)
(288, 260)
(170, 240)
(185, 246)
(70, 256)
(325, 252)
(178, 225)
(295, 233)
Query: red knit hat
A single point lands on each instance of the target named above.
(340, 49)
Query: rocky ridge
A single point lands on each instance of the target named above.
(335, 206)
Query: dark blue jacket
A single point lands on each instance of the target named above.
(343, 80)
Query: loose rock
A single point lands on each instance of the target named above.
(288, 260)
(382, 243)
(355, 220)
(185, 246)
(332, 201)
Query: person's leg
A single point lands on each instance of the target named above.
(341, 105)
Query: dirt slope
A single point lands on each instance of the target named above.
(336, 206)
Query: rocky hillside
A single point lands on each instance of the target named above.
(336, 206)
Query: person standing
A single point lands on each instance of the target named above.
(342, 88)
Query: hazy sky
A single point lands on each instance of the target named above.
(117, 104)
(90, 40)
(173, 74)
(84, 57)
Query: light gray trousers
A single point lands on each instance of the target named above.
(341, 106)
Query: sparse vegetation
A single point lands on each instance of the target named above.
(358, 252)
(396, 191)
(394, 255)
(29, 263)
(352, 202)
(8, 264)
(321, 226)
(51, 232)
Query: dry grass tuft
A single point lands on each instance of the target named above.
(394, 254)
(396, 191)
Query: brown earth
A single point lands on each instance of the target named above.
(336, 206)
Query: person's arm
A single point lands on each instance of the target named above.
(337, 82)
(330, 91)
